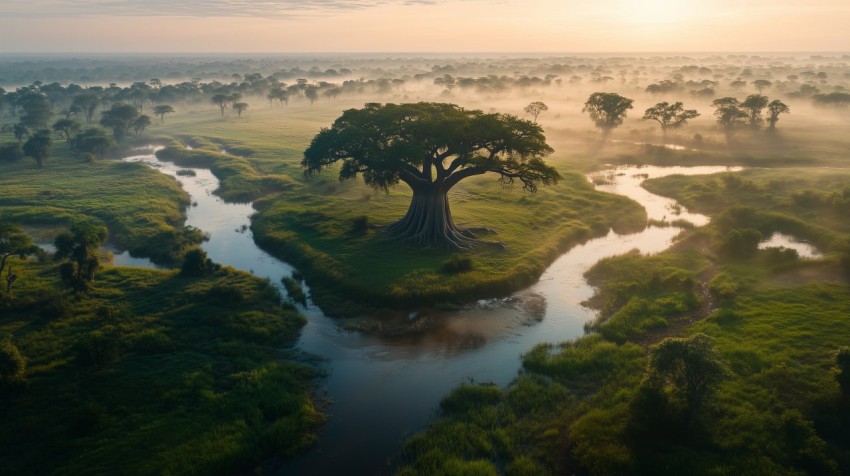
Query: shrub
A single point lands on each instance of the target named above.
(457, 263)
(196, 263)
(12, 363)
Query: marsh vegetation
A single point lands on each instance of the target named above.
(727, 342)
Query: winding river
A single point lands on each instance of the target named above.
(383, 389)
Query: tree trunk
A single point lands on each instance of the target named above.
(429, 221)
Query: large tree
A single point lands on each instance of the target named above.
(119, 118)
(162, 110)
(221, 100)
(36, 109)
(670, 116)
(67, 129)
(607, 110)
(430, 147)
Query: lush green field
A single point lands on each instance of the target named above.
(776, 322)
(153, 373)
(142, 208)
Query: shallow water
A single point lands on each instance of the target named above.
(781, 240)
(386, 388)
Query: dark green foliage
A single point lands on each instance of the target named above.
(741, 243)
(39, 146)
(93, 140)
(80, 246)
(294, 290)
(607, 110)
(196, 263)
(468, 398)
(149, 361)
(12, 363)
(13, 242)
(422, 138)
(11, 152)
(36, 109)
(119, 118)
(688, 369)
(457, 263)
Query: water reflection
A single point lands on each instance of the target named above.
(384, 387)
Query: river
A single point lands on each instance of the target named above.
(383, 389)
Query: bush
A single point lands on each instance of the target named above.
(741, 243)
(12, 363)
(457, 263)
(11, 152)
(196, 263)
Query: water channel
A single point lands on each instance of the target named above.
(383, 389)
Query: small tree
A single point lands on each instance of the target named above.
(221, 100)
(774, 109)
(670, 116)
(762, 84)
(240, 107)
(140, 123)
(14, 242)
(196, 263)
(80, 247)
(754, 104)
(67, 129)
(162, 110)
(607, 110)
(534, 109)
(39, 146)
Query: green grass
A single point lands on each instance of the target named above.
(776, 321)
(142, 208)
(152, 373)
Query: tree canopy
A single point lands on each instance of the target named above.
(607, 110)
(670, 116)
(430, 147)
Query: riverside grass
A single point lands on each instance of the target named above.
(142, 208)
(152, 373)
(775, 319)
(312, 223)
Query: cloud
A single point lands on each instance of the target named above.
(192, 8)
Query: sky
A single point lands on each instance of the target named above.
(312, 26)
